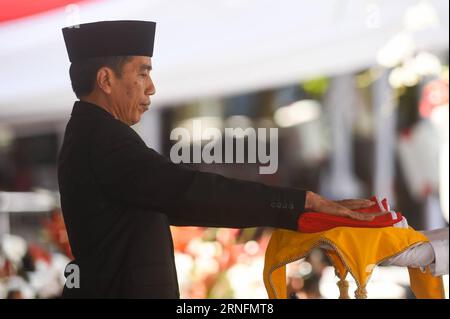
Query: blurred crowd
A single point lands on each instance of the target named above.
(211, 263)
(30, 270)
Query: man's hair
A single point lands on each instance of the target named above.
(83, 73)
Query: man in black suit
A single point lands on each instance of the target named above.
(119, 197)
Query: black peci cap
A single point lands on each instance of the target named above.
(109, 38)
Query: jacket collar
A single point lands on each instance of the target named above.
(83, 108)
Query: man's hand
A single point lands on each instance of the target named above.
(317, 203)
(355, 203)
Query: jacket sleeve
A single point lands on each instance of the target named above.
(131, 173)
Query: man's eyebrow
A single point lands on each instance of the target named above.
(146, 67)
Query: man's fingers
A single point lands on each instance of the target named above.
(355, 203)
(361, 216)
(377, 214)
(357, 200)
(367, 216)
(364, 203)
(343, 211)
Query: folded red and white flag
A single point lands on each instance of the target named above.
(313, 222)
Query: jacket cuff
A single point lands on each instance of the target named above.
(289, 204)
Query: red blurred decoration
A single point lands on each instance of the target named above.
(7, 269)
(434, 94)
(182, 236)
(406, 133)
(58, 233)
(16, 9)
(38, 253)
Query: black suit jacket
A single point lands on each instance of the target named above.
(119, 197)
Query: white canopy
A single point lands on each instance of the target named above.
(209, 48)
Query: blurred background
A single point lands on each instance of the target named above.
(357, 88)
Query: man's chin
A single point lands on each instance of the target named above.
(135, 121)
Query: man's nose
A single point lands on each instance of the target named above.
(151, 90)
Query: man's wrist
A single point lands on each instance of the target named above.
(310, 199)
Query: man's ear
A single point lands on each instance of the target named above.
(105, 79)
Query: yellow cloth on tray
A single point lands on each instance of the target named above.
(353, 250)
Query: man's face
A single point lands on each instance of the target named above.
(130, 93)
